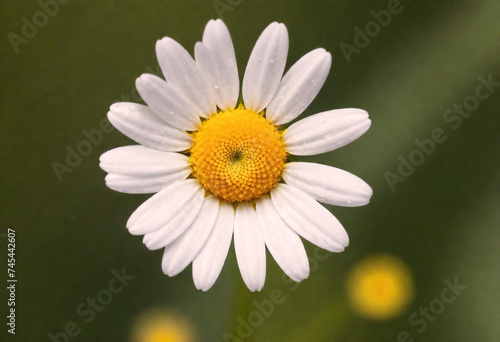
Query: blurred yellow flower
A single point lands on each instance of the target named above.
(380, 287)
(162, 326)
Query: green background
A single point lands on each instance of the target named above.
(443, 221)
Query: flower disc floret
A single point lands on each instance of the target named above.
(238, 155)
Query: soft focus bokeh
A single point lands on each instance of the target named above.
(380, 287)
(159, 325)
(428, 73)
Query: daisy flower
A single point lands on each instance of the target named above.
(380, 287)
(219, 169)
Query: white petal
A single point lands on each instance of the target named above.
(167, 102)
(283, 243)
(326, 131)
(141, 124)
(175, 227)
(141, 170)
(249, 247)
(216, 59)
(328, 184)
(208, 263)
(183, 250)
(180, 201)
(181, 71)
(265, 67)
(309, 218)
(140, 161)
(299, 86)
(142, 185)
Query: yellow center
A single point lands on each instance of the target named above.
(162, 326)
(238, 155)
(380, 287)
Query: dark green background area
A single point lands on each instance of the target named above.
(443, 221)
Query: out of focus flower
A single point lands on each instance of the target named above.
(162, 326)
(380, 287)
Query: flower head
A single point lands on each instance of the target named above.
(380, 287)
(162, 326)
(219, 169)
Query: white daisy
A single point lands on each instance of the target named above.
(219, 168)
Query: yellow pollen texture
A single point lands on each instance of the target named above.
(238, 155)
